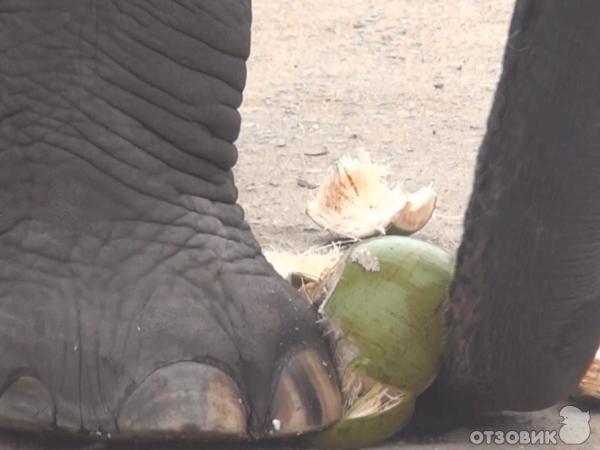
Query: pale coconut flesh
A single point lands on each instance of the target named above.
(355, 201)
(308, 266)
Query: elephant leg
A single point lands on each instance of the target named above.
(524, 308)
(134, 300)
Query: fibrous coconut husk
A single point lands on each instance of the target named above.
(589, 387)
(377, 415)
(355, 201)
(306, 270)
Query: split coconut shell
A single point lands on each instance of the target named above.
(377, 415)
(383, 316)
(355, 202)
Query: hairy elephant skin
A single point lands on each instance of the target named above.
(524, 314)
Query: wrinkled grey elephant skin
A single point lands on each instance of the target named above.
(134, 300)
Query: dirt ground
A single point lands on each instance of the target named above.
(409, 81)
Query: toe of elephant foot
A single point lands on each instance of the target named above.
(306, 397)
(185, 400)
(191, 400)
(26, 404)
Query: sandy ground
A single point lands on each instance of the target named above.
(410, 81)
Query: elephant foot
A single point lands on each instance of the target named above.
(134, 300)
(150, 319)
(173, 334)
(179, 339)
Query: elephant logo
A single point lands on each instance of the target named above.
(575, 427)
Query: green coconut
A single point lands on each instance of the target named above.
(384, 317)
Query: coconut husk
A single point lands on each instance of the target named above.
(376, 416)
(589, 386)
(305, 270)
(355, 201)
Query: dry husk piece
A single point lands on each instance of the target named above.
(590, 384)
(377, 415)
(304, 270)
(355, 201)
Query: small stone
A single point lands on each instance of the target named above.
(306, 184)
(317, 153)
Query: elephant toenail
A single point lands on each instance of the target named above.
(307, 396)
(186, 400)
(26, 404)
